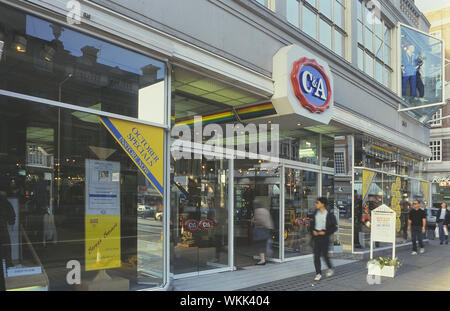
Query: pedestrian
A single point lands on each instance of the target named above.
(442, 221)
(7, 217)
(322, 225)
(263, 230)
(416, 224)
(406, 207)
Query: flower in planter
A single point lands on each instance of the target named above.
(385, 261)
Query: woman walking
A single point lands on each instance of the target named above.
(442, 221)
(263, 229)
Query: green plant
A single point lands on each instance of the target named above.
(386, 261)
(336, 243)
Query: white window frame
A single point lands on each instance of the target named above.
(439, 158)
(436, 116)
(270, 4)
(386, 79)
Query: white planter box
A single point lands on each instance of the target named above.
(375, 269)
(337, 249)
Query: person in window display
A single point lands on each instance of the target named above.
(419, 75)
(411, 72)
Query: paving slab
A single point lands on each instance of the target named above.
(429, 271)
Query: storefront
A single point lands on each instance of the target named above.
(90, 160)
(74, 162)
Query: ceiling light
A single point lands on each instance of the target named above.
(48, 53)
(20, 44)
(299, 124)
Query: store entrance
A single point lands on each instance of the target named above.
(300, 196)
(199, 207)
(254, 180)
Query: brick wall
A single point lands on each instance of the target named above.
(446, 150)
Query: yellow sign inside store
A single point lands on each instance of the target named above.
(102, 242)
(425, 190)
(144, 144)
(368, 177)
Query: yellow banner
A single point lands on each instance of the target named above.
(425, 190)
(102, 242)
(144, 144)
(396, 200)
(368, 177)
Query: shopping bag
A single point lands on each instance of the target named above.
(269, 249)
(446, 231)
(436, 232)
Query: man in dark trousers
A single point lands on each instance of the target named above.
(7, 217)
(416, 224)
(442, 222)
(322, 225)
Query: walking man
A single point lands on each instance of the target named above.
(442, 221)
(323, 224)
(416, 224)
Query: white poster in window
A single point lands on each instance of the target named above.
(102, 187)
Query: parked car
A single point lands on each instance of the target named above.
(431, 217)
(431, 221)
(145, 211)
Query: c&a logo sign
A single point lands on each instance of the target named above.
(311, 85)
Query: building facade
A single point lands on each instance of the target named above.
(438, 166)
(112, 176)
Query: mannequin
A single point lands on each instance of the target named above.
(409, 70)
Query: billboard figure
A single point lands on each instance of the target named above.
(419, 75)
(409, 70)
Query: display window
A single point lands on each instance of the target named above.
(84, 212)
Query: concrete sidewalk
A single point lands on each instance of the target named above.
(250, 276)
(428, 271)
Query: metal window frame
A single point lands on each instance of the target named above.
(399, 62)
(36, 11)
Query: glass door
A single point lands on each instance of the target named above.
(299, 198)
(199, 223)
(254, 179)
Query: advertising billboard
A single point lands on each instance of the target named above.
(421, 72)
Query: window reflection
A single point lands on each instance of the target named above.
(44, 170)
(47, 60)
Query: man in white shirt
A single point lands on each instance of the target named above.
(322, 225)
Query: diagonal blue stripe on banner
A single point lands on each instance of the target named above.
(132, 154)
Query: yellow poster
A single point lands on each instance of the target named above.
(368, 177)
(425, 190)
(396, 200)
(102, 242)
(144, 144)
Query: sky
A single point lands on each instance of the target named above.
(431, 5)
